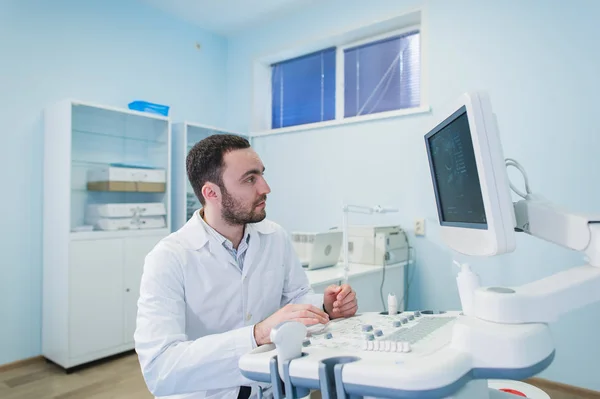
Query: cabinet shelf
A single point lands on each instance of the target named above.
(87, 163)
(119, 137)
(102, 137)
(99, 235)
(151, 196)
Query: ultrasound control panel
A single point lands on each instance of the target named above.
(379, 332)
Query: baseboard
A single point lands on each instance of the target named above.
(21, 363)
(569, 390)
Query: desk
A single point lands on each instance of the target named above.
(365, 281)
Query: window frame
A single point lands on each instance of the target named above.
(395, 26)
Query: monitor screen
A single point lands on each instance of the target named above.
(454, 171)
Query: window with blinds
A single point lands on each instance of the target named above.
(303, 89)
(382, 76)
(378, 76)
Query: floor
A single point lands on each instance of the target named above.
(118, 378)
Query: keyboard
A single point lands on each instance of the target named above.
(421, 329)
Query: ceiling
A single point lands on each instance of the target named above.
(227, 17)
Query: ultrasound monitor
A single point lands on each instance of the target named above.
(470, 182)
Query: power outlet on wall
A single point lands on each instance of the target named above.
(420, 227)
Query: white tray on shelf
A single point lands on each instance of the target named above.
(146, 222)
(114, 173)
(97, 211)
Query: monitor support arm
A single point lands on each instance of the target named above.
(545, 300)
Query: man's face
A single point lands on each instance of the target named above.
(245, 190)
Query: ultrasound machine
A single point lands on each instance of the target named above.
(503, 334)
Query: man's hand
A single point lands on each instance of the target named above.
(305, 314)
(340, 301)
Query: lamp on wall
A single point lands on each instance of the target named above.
(357, 209)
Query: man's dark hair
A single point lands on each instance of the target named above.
(204, 162)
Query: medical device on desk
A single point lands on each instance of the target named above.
(501, 333)
(317, 250)
(346, 235)
(377, 245)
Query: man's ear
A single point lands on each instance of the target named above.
(211, 192)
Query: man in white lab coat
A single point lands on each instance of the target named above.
(212, 291)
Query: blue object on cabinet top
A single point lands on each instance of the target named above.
(145, 106)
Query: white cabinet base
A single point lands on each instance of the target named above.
(95, 296)
(90, 303)
(90, 359)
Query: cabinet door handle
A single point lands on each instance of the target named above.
(127, 290)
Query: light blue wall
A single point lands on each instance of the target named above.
(539, 61)
(108, 52)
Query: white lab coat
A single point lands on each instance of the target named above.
(197, 309)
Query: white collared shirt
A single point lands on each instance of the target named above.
(197, 309)
(239, 254)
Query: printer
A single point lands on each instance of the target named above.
(377, 245)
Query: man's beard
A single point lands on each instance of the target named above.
(234, 213)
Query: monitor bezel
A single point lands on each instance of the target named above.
(470, 238)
